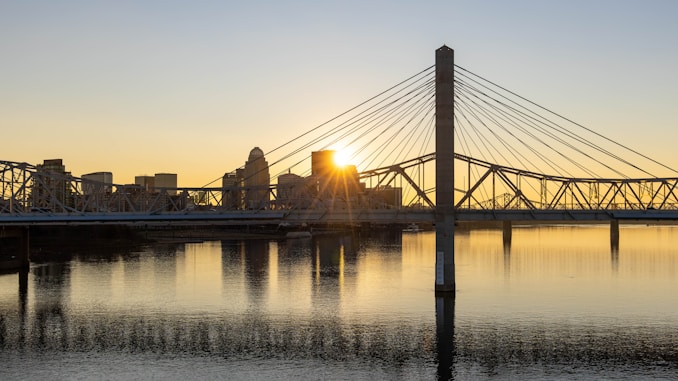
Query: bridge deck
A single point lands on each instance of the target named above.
(298, 217)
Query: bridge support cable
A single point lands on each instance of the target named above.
(628, 149)
(359, 126)
(483, 141)
(406, 146)
(460, 132)
(500, 118)
(365, 125)
(517, 121)
(464, 108)
(388, 93)
(536, 113)
(393, 143)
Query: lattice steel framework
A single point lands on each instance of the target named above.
(496, 187)
(27, 189)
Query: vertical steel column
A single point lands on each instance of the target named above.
(445, 275)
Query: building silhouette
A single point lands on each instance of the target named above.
(51, 188)
(166, 182)
(231, 194)
(256, 180)
(147, 183)
(295, 191)
(335, 186)
(328, 186)
(160, 181)
(248, 187)
(97, 182)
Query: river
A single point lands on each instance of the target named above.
(557, 303)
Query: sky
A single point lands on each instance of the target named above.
(190, 87)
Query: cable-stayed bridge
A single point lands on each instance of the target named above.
(508, 158)
(443, 146)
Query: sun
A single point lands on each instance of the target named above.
(341, 158)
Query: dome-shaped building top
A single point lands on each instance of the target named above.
(257, 179)
(255, 153)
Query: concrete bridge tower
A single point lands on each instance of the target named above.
(445, 273)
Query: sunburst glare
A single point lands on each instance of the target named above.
(342, 157)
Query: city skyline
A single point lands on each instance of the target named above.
(143, 88)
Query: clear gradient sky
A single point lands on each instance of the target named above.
(190, 87)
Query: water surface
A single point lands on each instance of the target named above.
(557, 303)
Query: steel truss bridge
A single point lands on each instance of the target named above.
(30, 196)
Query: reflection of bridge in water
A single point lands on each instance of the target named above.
(242, 317)
(487, 148)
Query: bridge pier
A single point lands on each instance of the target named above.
(614, 235)
(507, 233)
(14, 248)
(445, 270)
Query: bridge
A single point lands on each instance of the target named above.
(443, 146)
(496, 195)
